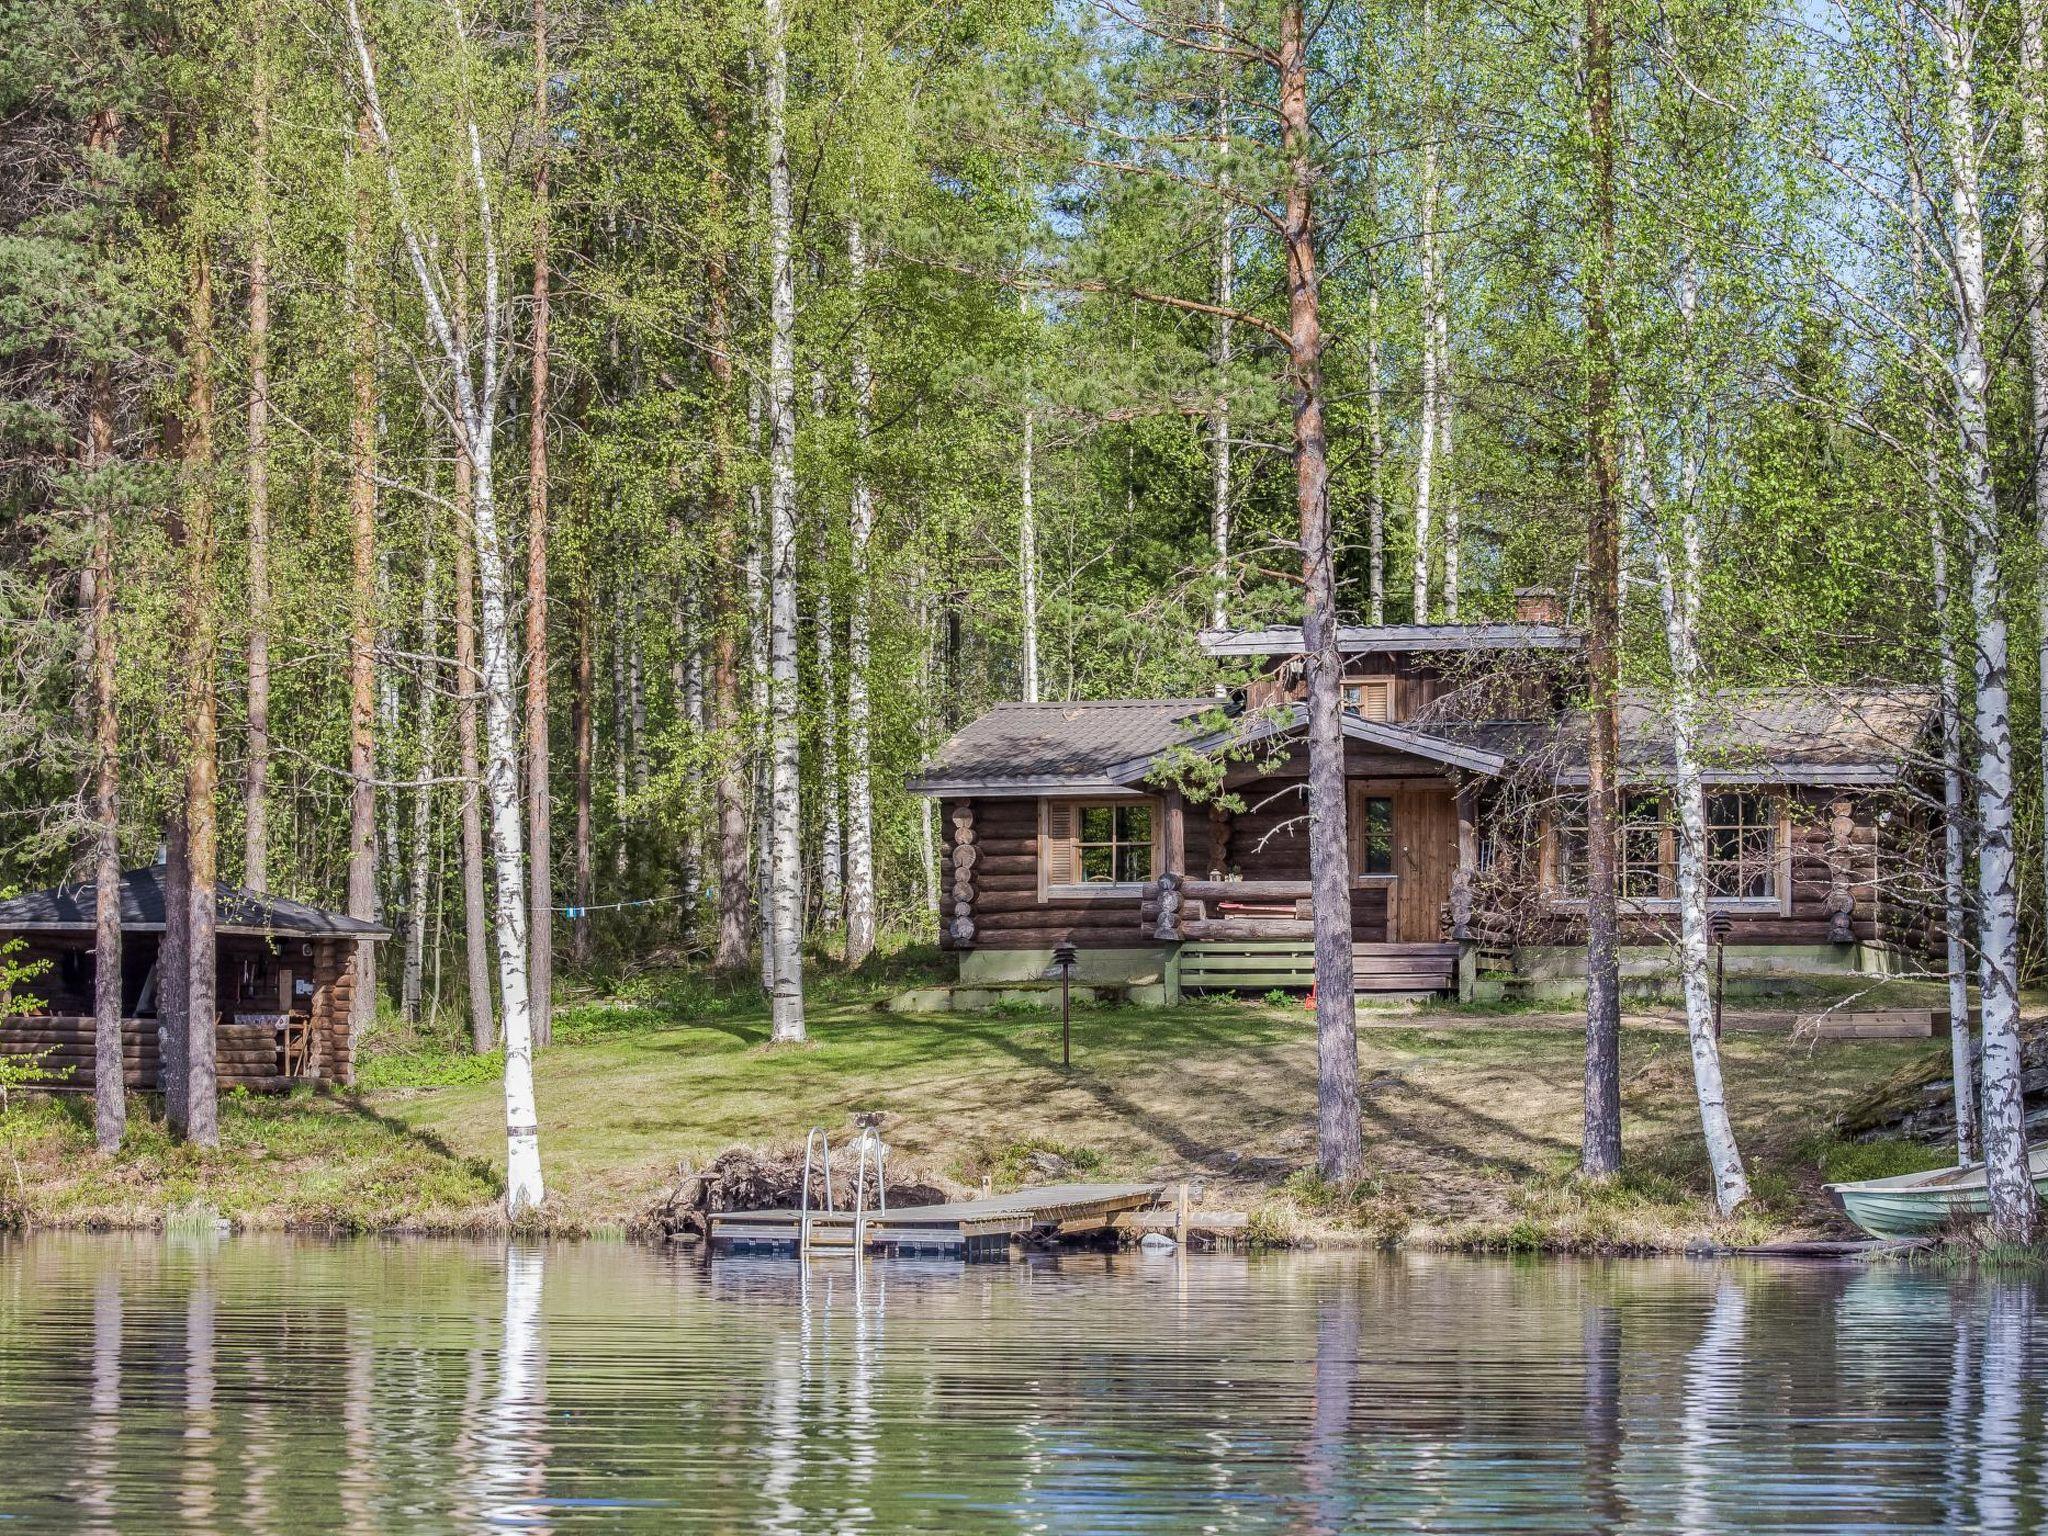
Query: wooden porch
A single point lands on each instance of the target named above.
(1262, 965)
(1411, 896)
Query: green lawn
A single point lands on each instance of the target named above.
(1471, 1122)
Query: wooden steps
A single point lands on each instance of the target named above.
(1260, 965)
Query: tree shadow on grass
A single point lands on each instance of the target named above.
(354, 1105)
(1112, 1102)
(1425, 1131)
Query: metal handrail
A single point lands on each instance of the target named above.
(817, 1138)
(869, 1137)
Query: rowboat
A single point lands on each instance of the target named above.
(1915, 1204)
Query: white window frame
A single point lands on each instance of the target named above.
(1779, 905)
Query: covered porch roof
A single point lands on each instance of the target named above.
(73, 909)
(1274, 724)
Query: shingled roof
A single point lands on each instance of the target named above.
(1027, 748)
(1847, 736)
(71, 909)
(1818, 735)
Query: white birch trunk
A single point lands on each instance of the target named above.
(474, 384)
(860, 804)
(2034, 243)
(2008, 1183)
(785, 890)
(420, 852)
(1452, 534)
(636, 692)
(757, 656)
(1955, 864)
(831, 839)
(1679, 573)
(1955, 773)
(622, 733)
(1027, 568)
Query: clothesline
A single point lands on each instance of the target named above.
(614, 906)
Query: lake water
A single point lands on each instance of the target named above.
(279, 1385)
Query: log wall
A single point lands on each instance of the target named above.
(1841, 886)
(249, 1053)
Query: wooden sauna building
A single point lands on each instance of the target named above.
(285, 983)
(1167, 839)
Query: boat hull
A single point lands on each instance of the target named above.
(1920, 1204)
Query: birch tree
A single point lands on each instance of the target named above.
(539, 804)
(2008, 1180)
(785, 892)
(475, 377)
(860, 529)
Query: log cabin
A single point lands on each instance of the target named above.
(285, 978)
(1166, 840)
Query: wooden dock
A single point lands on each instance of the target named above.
(981, 1229)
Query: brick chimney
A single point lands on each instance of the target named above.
(1537, 605)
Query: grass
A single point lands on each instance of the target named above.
(1471, 1120)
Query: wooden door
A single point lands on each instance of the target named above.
(1425, 857)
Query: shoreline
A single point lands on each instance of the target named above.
(1471, 1125)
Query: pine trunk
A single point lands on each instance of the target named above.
(1376, 461)
(110, 1099)
(2008, 1181)
(256, 774)
(1340, 1154)
(202, 763)
(1226, 296)
(786, 812)
(1600, 1155)
(173, 970)
(421, 852)
(362, 670)
(729, 952)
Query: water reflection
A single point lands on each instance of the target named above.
(280, 1386)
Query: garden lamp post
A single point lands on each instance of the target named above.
(1063, 961)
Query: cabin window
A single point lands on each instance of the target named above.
(1370, 698)
(1375, 835)
(1743, 863)
(1095, 847)
(1742, 847)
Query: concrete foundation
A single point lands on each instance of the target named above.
(1107, 967)
(1557, 973)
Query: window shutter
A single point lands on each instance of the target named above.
(1057, 859)
(1379, 701)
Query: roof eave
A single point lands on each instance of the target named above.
(992, 788)
(1362, 640)
(1850, 775)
